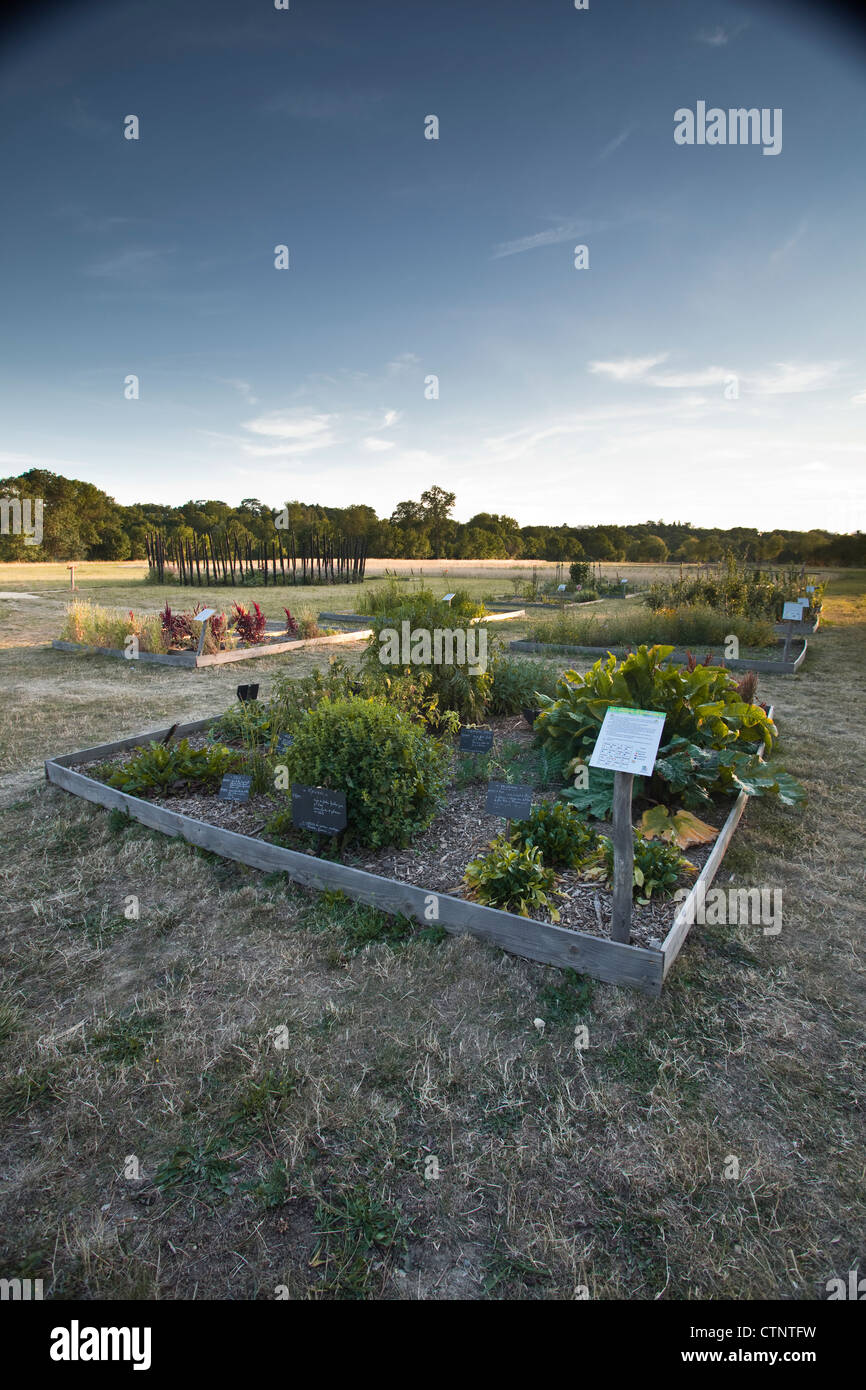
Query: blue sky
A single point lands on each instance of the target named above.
(582, 396)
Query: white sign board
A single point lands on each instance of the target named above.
(446, 598)
(804, 602)
(628, 741)
(560, 588)
(203, 616)
(792, 613)
(810, 588)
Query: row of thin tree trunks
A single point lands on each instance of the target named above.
(215, 558)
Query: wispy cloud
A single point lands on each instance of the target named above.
(613, 145)
(242, 387)
(719, 35)
(403, 362)
(627, 368)
(134, 264)
(779, 253)
(553, 236)
(790, 378)
(374, 445)
(288, 432)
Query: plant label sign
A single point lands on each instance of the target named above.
(792, 613)
(203, 616)
(512, 802)
(810, 588)
(476, 740)
(248, 692)
(235, 786)
(284, 742)
(560, 588)
(318, 809)
(628, 741)
(446, 598)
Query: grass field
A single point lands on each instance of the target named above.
(315, 1099)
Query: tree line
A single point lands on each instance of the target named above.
(81, 522)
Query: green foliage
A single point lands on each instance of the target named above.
(199, 1166)
(578, 572)
(456, 684)
(172, 769)
(512, 878)
(558, 832)
(738, 590)
(270, 1189)
(658, 866)
(681, 626)
(393, 773)
(517, 682)
(704, 712)
(126, 1039)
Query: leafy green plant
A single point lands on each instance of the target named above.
(172, 769)
(658, 867)
(513, 878)
(457, 683)
(393, 773)
(713, 737)
(517, 682)
(558, 832)
(198, 1166)
(737, 590)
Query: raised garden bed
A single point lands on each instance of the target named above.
(803, 629)
(409, 881)
(765, 666)
(192, 659)
(494, 616)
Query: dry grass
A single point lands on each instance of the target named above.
(309, 1165)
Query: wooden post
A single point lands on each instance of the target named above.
(71, 569)
(623, 857)
(789, 628)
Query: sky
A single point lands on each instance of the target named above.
(708, 365)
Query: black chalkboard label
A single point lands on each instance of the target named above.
(476, 740)
(283, 742)
(318, 809)
(235, 786)
(248, 692)
(512, 802)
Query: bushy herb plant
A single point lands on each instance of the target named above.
(658, 867)
(513, 878)
(172, 769)
(393, 773)
(558, 832)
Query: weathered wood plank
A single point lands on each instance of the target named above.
(614, 962)
(192, 660)
(673, 942)
(777, 668)
(106, 750)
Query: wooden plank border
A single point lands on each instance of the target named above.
(777, 668)
(637, 967)
(494, 616)
(675, 939)
(192, 660)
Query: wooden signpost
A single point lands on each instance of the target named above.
(627, 745)
(204, 618)
(791, 613)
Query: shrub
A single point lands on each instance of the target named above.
(250, 627)
(457, 685)
(291, 625)
(738, 590)
(681, 627)
(712, 737)
(176, 627)
(578, 572)
(171, 769)
(658, 866)
(393, 774)
(558, 832)
(512, 878)
(517, 682)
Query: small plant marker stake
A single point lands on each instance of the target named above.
(71, 569)
(623, 857)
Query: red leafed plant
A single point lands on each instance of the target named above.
(176, 627)
(250, 627)
(218, 628)
(291, 625)
(692, 661)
